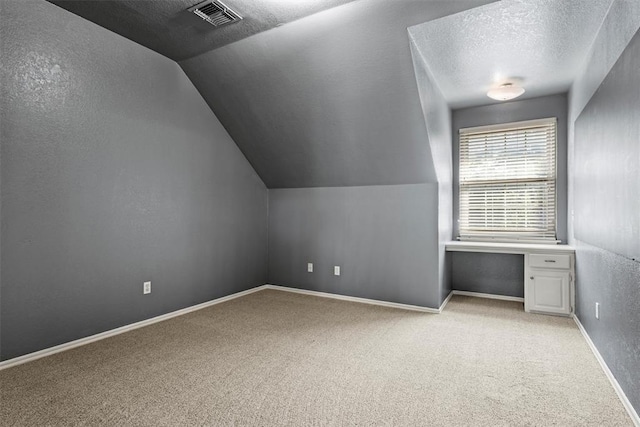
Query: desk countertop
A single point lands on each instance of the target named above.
(506, 248)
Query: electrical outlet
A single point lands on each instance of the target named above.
(336, 270)
(146, 288)
(310, 267)
(597, 310)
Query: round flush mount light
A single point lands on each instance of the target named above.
(505, 92)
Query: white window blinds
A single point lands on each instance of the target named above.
(508, 181)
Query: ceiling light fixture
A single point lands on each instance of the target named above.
(505, 92)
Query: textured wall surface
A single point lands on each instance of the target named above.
(329, 100)
(606, 168)
(383, 237)
(617, 30)
(437, 117)
(114, 172)
(498, 274)
(614, 282)
(602, 276)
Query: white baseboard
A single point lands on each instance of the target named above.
(445, 302)
(83, 341)
(623, 397)
(488, 296)
(87, 340)
(357, 299)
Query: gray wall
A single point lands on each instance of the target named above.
(478, 265)
(601, 275)
(114, 172)
(606, 168)
(437, 118)
(497, 274)
(383, 237)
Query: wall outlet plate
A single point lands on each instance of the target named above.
(310, 267)
(146, 288)
(336, 270)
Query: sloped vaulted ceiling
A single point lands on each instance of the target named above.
(328, 100)
(167, 26)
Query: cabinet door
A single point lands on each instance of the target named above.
(549, 291)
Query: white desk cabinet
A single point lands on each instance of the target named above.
(548, 292)
(549, 283)
(549, 286)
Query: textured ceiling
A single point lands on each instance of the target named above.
(538, 43)
(328, 100)
(168, 28)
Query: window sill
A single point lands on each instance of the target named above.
(508, 240)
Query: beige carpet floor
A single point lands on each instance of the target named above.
(278, 358)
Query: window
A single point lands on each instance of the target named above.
(508, 182)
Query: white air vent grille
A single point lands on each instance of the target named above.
(215, 12)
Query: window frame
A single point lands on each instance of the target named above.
(497, 236)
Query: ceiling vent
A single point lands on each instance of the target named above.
(215, 12)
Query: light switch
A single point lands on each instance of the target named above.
(336, 270)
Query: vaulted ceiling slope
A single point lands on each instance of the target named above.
(328, 100)
(168, 28)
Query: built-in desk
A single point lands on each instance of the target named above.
(549, 272)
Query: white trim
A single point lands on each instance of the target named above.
(97, 337)
(623, 397)
(445, 302)
(87, 340)
(357, 299)
(488, 296)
